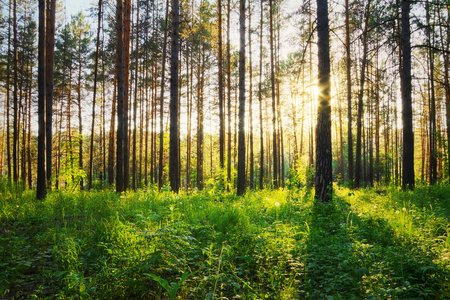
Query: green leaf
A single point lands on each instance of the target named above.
(164, 283)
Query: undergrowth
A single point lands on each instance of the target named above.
(365, 244)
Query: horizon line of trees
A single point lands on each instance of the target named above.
(172, 99)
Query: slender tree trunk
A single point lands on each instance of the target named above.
(407, 115)
(250, 107)
(80, 124)
(359, 125)
(91, 151)
(274, 106)
(433, 133)
(173, 147)
(201, 60)
(261, 129)
(229, 96)
(41, 190)
(324, 169)
(126, 77)
(349, 94)
(161, 109)
(134, 172)
(15, 98)
(241, 147)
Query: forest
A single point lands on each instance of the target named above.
(225, 149)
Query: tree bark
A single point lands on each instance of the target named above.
(349, 94)
(173, 147)
(41, 190)
(161, 100)
(324, 187)
(407, 114)
(241, 147)
(261, 130)
(120, 187)
(274, 106)
(91, 151)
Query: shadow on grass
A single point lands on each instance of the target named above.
(354, 256)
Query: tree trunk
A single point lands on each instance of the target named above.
(173, 147)
(41, 189)
(161, 109)
(241, 147)
(250, 107)
(359, 125)
(274, 106)
(200, 74)
(126, 77)
(15, 98)
(91, 151)
(221, 104)
(324, 187)
(433, 133)
(49, 52)
(228, 96)
(407, 114)
(120, 187)
(261, 129)
(349, 94)
(134, 172)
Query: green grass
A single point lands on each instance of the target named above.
(366, 244)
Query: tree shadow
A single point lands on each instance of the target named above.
(355, 256)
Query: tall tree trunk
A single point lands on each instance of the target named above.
(15, 98)
(80, 124)
(91, 150)
(407, 115)
(228, 96)
(49, 52)
(126, 77)
(261, 127)
(349, 93)
(250, 107)
(200, 75)
(274, 106)
(41, 189)
(221, 104)
(359, 125)
(173, 147)
(134, 172)
(241, 147)
(324, 187)
(8, 88)
(161, 109)
(433, 133)
(120, 187)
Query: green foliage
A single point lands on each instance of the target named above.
(280, 244)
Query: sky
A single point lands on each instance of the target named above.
(74, 6)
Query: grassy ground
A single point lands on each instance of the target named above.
(366, 244)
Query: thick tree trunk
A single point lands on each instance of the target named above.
(16, 98)
(173, 147)
(221, 103)
(49, 52)
(324, 187)
(134, 171)
(120, 187)
(200, 76)
(407, 114)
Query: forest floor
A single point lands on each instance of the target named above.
(365, 244)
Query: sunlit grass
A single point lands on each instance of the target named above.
(207, 245)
